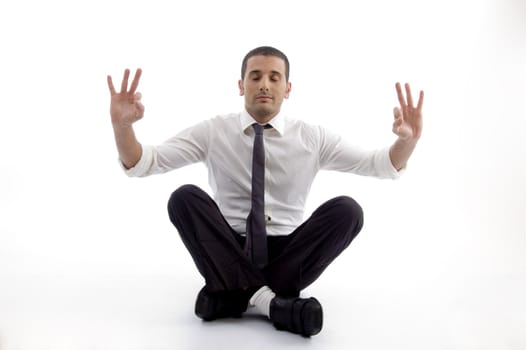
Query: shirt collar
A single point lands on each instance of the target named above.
(278, 122)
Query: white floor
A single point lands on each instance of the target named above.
(81, 273)
(77, 308)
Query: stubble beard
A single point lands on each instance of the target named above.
(263, 113)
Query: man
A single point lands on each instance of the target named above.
(250, 242)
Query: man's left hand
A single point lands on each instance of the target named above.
(408, 119)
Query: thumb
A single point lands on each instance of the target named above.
(397, 112)
(397, 126)
(139, 106)
(137, 102)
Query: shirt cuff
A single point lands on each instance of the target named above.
(143, 165)
(388, 170)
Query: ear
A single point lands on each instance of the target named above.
(287, 91)
(241, 88)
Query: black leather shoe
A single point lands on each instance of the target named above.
(297, 315)
(211, 306)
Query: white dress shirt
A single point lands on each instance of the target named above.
(294, 152)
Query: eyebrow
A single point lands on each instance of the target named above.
(257, 71)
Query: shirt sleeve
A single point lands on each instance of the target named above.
(187, 147)
(337, 154)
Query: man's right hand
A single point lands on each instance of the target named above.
(126, 107)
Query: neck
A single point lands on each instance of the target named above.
(262, 118)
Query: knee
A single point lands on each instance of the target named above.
(180, 202)
(346, 205)
(182, 195)
(349, 211)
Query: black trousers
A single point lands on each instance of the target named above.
(295, 260)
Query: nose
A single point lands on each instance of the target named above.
(264, 85)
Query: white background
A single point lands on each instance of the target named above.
(88, 257)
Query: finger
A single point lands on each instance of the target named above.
(135, 81)
(397, 126)
(408, 95)
(400, 94)
(140, 107)
(124, 85)
(136, 98)
(397, 112)
(401, 99)
(110, 85)
(420, 101)
(397, 123)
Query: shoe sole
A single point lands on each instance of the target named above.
(210, 308)
(312, 318)
(306, 318)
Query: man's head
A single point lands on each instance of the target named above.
(265, 51)
(264, 82)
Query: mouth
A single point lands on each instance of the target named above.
(263, 98)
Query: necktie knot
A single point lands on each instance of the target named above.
(258, 128)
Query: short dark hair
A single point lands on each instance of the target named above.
(265, 51)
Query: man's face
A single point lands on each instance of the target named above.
(264, 87)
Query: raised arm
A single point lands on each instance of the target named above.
(407, 126)
(125, 109)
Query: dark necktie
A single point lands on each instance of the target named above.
(256, 244)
